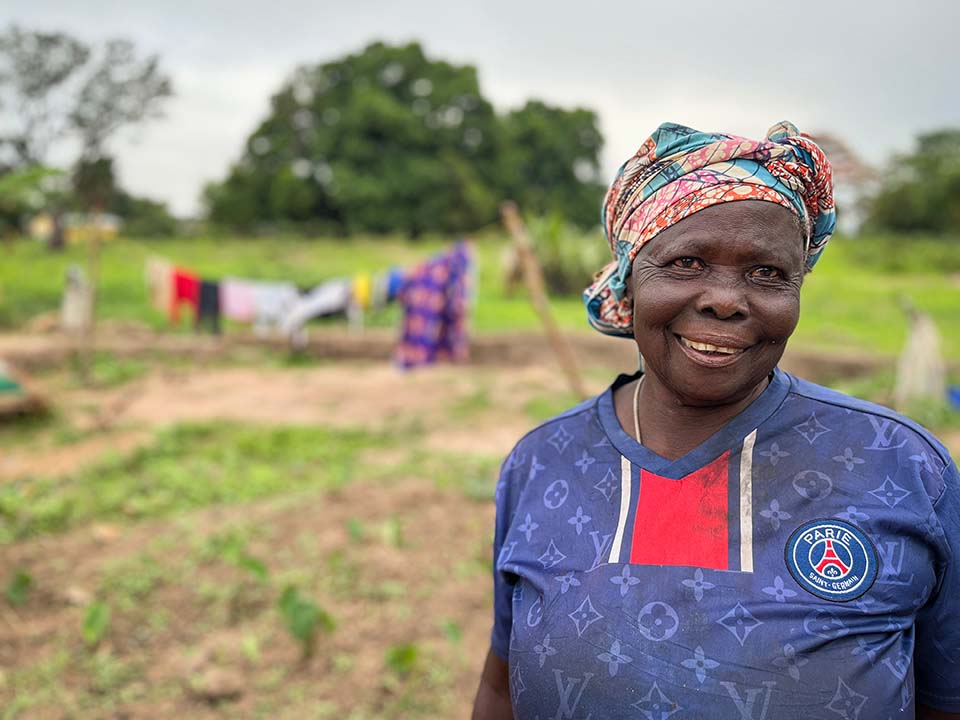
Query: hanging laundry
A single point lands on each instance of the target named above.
(186, 289)
(272, 302)
(385, 287)
(378, 294)
(395, 278)
(434, 298)
(329, 298)
(157, 272)
(362, 290)
(208, 308)
(237, 299)
(361, 299)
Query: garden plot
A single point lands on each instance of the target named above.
(257, 541)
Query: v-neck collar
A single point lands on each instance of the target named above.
(730, 436)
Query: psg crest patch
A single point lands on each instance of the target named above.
(832, 559)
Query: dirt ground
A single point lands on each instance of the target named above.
(359, 394)
(357, 388)
(431, 591)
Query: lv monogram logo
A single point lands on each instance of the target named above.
(884, 432)
(746, 707)
(565, 690)
(891, 563)
(601, 544)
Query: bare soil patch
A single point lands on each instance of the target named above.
(430, 590)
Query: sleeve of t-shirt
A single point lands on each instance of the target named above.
(503, 581)
(937, 652)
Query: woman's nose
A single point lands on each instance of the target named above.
(723, 298)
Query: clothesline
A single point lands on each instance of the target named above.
(433, 295)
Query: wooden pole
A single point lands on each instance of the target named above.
(88, 341)
(533, 278)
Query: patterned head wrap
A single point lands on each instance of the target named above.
(678, 171)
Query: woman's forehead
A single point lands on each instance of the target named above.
(741, 228)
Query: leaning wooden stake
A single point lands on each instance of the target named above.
(533, 278)
(88, 341)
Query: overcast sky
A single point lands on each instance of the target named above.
(875, 72)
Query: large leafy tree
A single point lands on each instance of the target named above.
(920, 192)
(381, 140)
(388, 140)
(553, 161)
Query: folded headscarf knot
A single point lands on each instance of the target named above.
(678, 171)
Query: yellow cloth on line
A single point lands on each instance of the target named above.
(362, 290)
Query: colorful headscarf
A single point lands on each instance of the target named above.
(678, 171)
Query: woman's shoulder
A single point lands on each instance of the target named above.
(562, 439)
(883, 428)
(569, 422)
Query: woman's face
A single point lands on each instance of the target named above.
(715, 298)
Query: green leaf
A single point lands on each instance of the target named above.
(96, 620)
(392, 532)
(253, 565)
(401, 659)
(303, 618)
(19, 587)
(355, 530)
(452, 630)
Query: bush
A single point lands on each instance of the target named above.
(146, 218)
(569, 256)
(903, 253)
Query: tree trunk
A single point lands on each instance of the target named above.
(57, 240)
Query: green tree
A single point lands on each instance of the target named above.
(921, 190)
(142, 217)
(389, 140)
(29, 190)
(552, 164)
(381, 140)
(94, 183)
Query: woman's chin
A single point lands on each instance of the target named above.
(715, 387)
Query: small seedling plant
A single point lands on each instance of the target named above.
(303, 620)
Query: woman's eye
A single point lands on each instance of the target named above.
(688, 263)
(766, 272)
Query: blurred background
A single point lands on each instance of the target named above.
(254, 393)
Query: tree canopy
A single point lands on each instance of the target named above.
(389, 140)
(920, 192)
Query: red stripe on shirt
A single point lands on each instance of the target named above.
(683, 522)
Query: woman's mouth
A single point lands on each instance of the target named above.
(708, 354)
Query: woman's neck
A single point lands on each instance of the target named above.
(669, 427)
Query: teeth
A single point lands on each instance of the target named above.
(707, 347)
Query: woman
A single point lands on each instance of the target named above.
(712, 537)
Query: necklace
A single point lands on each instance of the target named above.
(636, 410)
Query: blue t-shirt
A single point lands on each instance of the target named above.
(802, 563)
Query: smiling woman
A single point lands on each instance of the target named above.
(712, 537)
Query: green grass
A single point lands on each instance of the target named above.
(850, 302)
(846, 305)
(188, 466)
(194, 465)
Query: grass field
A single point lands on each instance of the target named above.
(848, 304)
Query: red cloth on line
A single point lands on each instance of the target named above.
(186, 289)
